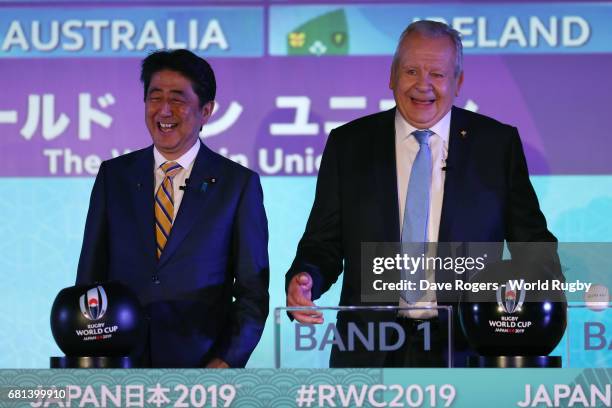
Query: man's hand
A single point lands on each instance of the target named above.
(299, 294)
(217, 363)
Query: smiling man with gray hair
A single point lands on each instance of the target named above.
(424, 171)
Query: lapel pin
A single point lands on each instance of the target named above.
(463, 134)
(206, 182)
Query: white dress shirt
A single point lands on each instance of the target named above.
(186, 161)
(406, 149)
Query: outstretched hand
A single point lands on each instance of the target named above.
(299, 294)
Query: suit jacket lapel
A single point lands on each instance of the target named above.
(199, 189)
(458, 152)
(383, 149)
(140, 190)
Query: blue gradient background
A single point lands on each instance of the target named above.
(45, 217)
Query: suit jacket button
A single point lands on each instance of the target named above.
(155, 279)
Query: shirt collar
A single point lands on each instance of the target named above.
(403, 129)
(185, 160)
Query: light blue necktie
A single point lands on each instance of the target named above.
(416, 211)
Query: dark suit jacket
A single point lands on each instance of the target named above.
(217, 250)
(487, 197)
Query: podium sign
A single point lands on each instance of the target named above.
(365, 336)
(589, 335)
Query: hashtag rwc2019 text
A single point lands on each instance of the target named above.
(337, 395)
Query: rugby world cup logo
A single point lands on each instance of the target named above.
(510, 299)
(94, 303)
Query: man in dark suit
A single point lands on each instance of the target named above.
(183, 227)
(478, 187)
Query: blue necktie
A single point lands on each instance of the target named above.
(416, 212)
